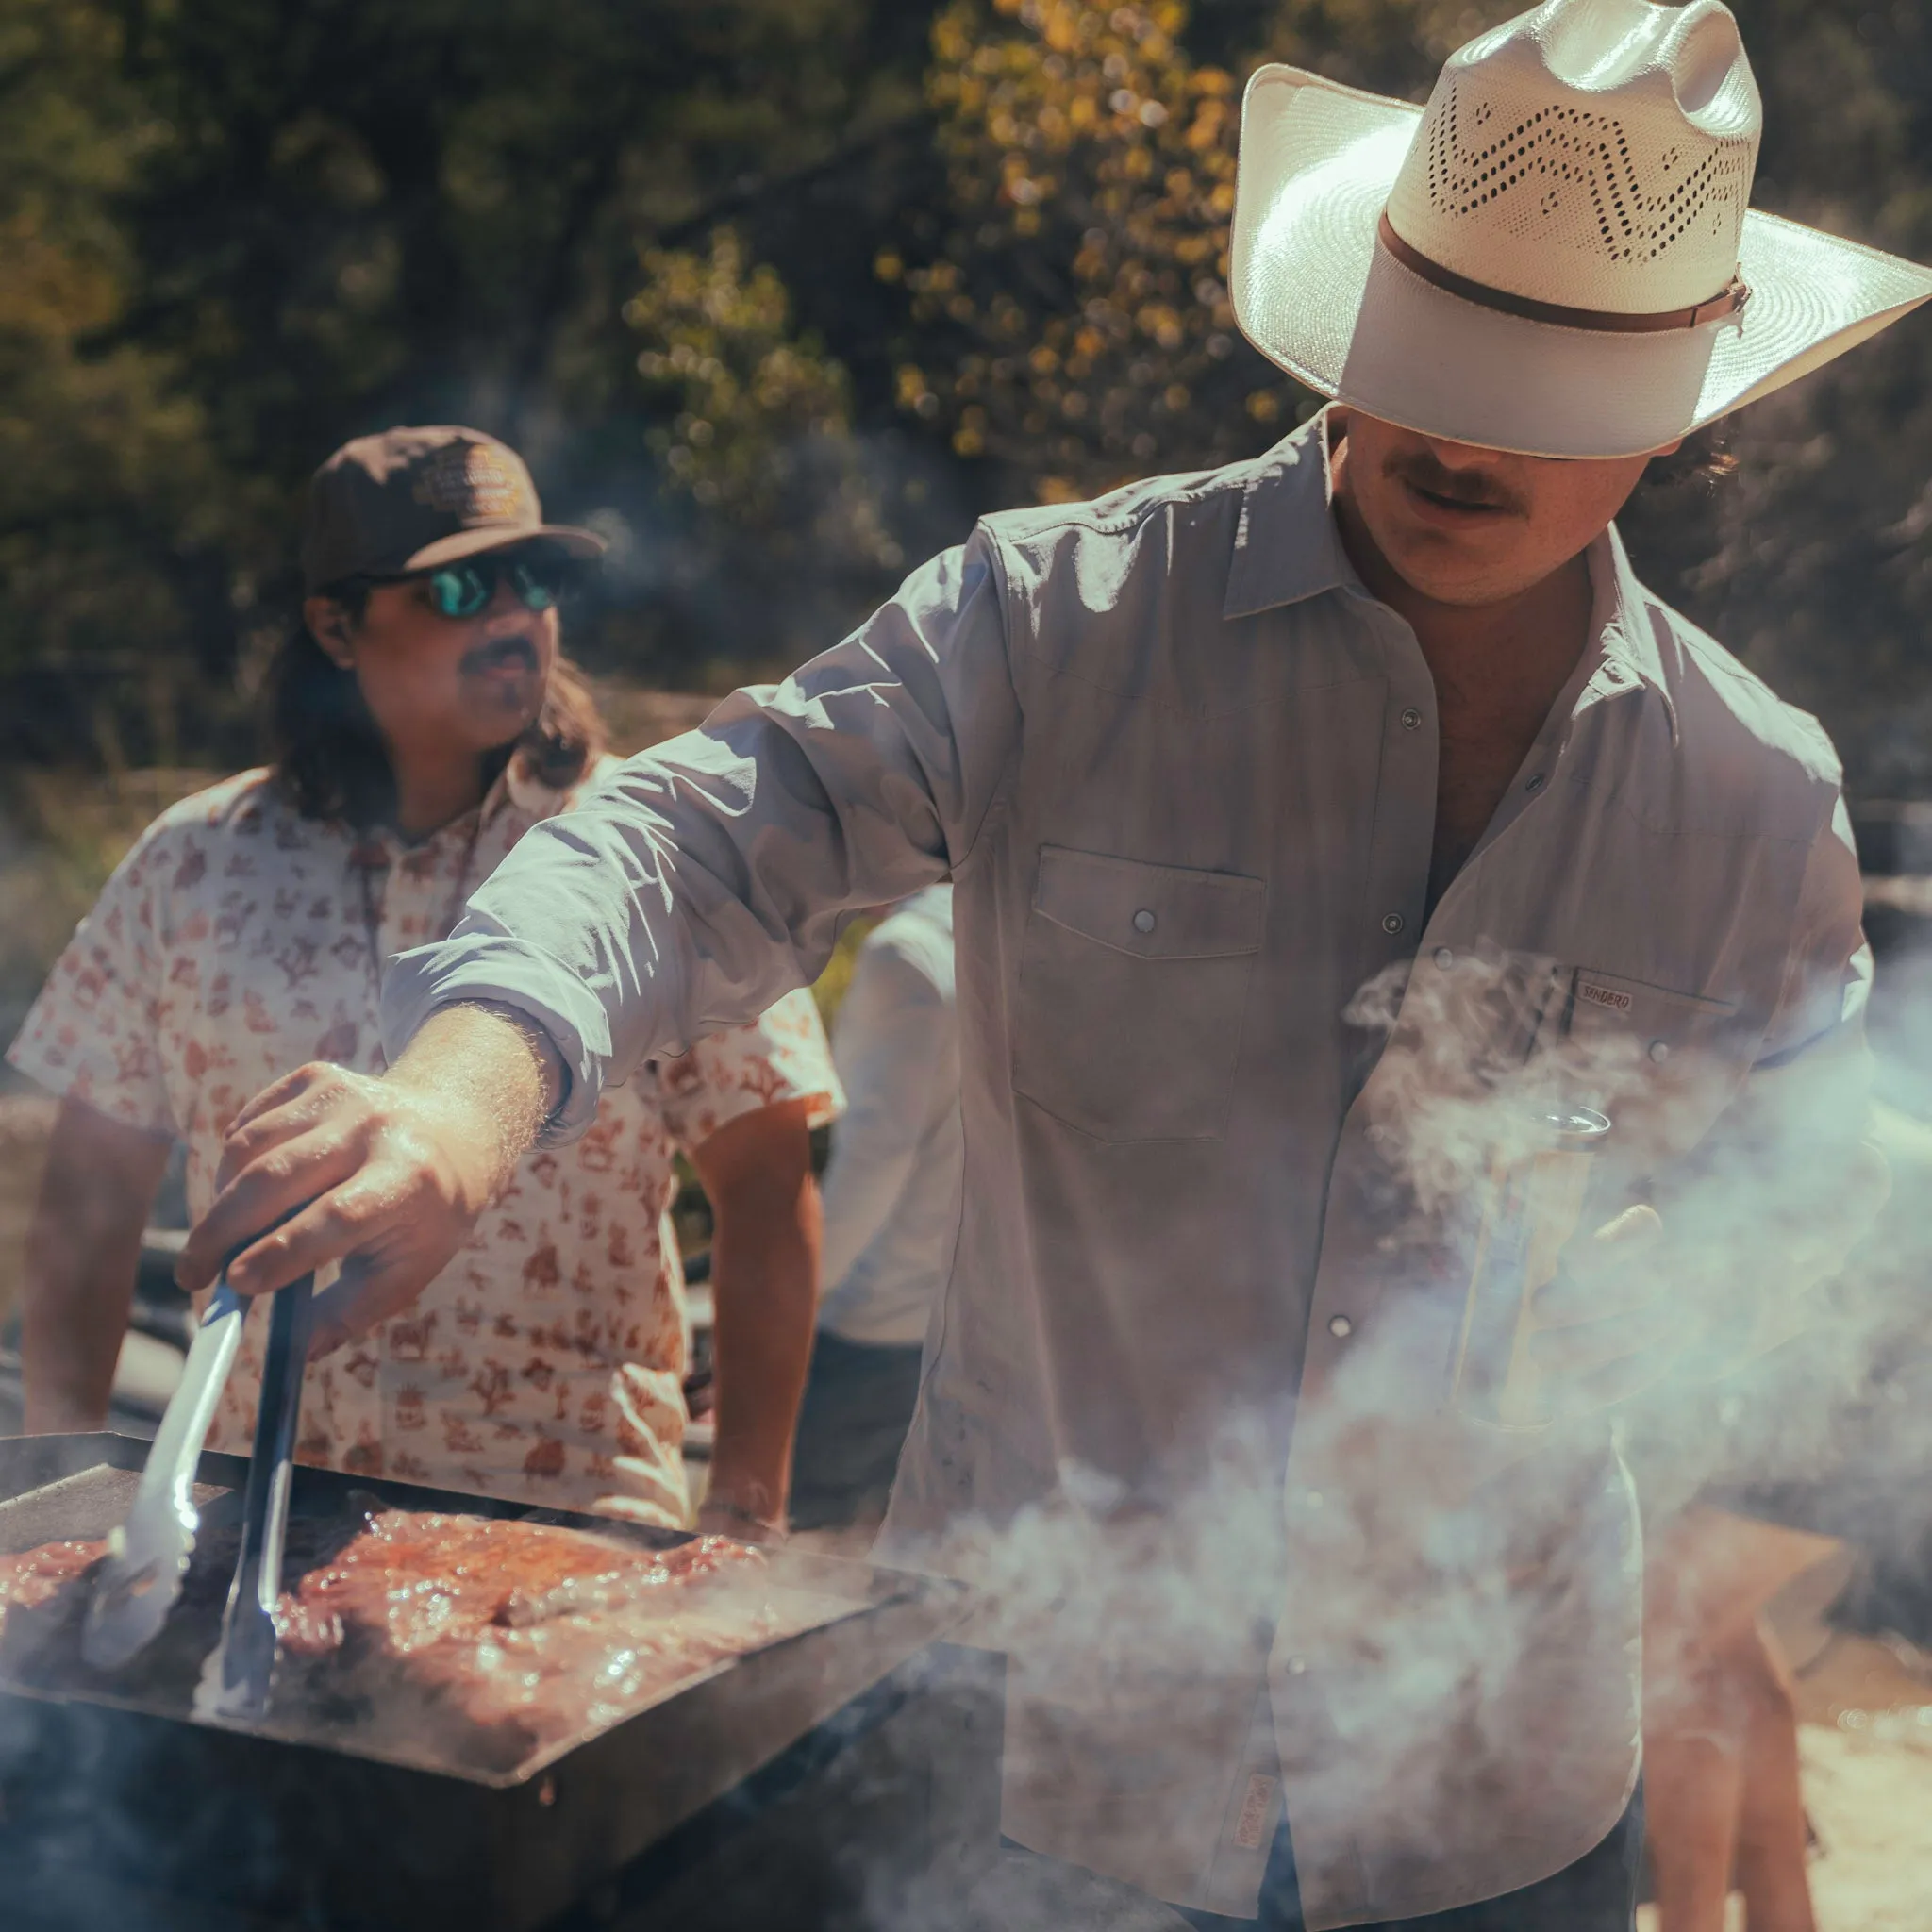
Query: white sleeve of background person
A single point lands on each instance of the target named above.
(1805, 1105)
(700, 882)
(898, 1061)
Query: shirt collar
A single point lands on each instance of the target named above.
(1286, 545)
(1622, 627)
(1286, 549)
(383, 845)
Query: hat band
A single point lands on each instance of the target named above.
(1728, 301)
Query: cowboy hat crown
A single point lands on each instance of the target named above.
(1558, 255)
(1595, 157)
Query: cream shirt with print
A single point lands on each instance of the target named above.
(238, 940)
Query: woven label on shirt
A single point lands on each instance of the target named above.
(1251, 1827)
(1599, 994)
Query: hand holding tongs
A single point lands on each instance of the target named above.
(147, 1556)
(235, 1680)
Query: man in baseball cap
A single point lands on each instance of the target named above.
(1331, 834)
(423, 721)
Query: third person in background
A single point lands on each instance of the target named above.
(891, 1213)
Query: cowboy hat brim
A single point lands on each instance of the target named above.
(1315, 292)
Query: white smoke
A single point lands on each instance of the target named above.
(1426, 1578)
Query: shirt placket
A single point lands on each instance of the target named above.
(1357, 1249)
(1392, 911)
(1348, 1280)
(1404, 795)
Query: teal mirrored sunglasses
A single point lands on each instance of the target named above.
(467, 589)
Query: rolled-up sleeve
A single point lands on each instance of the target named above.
(700, 882)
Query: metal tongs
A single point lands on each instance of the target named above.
(235, 1680)
(147, 1556)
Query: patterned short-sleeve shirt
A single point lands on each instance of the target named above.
(238, 941)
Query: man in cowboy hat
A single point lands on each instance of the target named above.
(1317, 824)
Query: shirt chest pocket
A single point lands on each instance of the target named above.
(1133, 984)
(1652, 1054)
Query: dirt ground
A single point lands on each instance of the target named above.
(1865, 1746)
(1867, 1753)
(1868, 1787)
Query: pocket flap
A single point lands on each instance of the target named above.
(1155, 911)
(1607, 996)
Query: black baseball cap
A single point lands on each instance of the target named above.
(414, 499)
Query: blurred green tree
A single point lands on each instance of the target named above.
(105, 469)
(753, 431)
(1071, 322)
(977, 255)
(236, 233)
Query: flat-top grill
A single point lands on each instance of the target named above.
(809, 1783)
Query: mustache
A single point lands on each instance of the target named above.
(516, 649)
(1477, 488)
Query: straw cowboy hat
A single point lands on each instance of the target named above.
(1556, 255)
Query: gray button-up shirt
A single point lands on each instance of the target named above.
(1230, 1093)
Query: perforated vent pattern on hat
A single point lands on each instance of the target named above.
(1530, 168)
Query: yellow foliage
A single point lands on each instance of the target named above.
(1092, 168)
(1091, 164)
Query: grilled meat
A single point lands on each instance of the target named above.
(35, 1577)
(462, 1638)
(521, 1627)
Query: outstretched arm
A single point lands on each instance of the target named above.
(701, 882)
(705, 879)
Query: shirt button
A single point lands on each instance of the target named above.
(1296, 1666)
(1392, 923)
(1311, 1499)
(1340, 1328)
(1445, 957)
(1411, 718)
(1659, 1051)
(1145, 921)
(1536, 782)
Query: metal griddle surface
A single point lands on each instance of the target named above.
(161, 1681)
(55, 1488)
(321, 1830)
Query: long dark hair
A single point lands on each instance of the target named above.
(330, 759)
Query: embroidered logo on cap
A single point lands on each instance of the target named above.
(469, 480)
(1598, 994)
